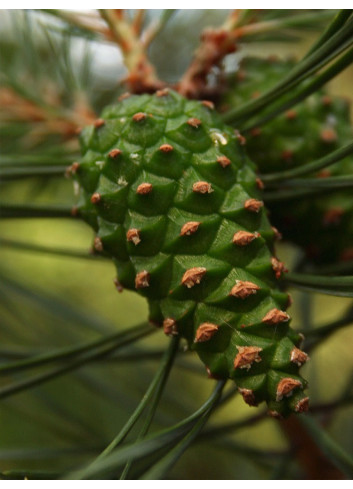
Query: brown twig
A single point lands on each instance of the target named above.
(137, 22)
(314, 462)
(215, 45)
(142, 76)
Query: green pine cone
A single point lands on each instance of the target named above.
(175, 202)
(322, 225)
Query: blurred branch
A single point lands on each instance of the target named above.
(142, 76)
(18, 211)
(160, 440)
(65, 252)
(157, 26)
(120, 341)
(333, 452)
(308, 66)
(308, 168)
(240, 24)
(338, 286)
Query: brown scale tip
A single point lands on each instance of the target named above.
(139, 116)
(208, 104)
(256, 131)
(286, 387)
(210, 375)
(240, 138)
(144, 188)
(98, 123)
(202, 188)
(347, 254)
(328, 135)
(133, 235)
(287, 155)
(326, 100)
(163, 92)
(170, 327)
(332, 217)
(189, 228)
(243, 238)
(259, 183)
(97, 244)
(289, 301)
(96, 198)
(246, 356)
(253, 205)
(74, 211)
(324, 173)
(277, 234)
(298, 357)
(205, 332)
(124, 96)
(142, 280)
(114, 153)
(241, 75)
(248, 396)
(275, 316)
(243, 289)
(291, 115)
(302, 406)
(193, 276)
(194, 122)
(274, 414)
(223, 161)
(278, 267)
(166, 148)
(72, 169)
(118, 285)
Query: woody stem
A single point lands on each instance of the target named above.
(142, 75)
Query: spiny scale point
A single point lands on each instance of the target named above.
(286, 387)
(205, 332)
(133, 235)
(243, 238)
(179, 239)
(223, 161)
(114, 153)
(202, 188)
(194, 122)
(144, 188)
(99, 123)
(193, 276)
(275, 316)
(243, 289)
(246, 356)
(166, 148)
(142, 280)
(96, 198)
(253, 205)
(189, 228)
(139, 116)
(170, 327)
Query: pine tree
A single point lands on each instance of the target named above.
(181, 149)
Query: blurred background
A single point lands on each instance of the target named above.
(49, 300)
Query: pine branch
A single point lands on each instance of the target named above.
(142, 76)
(122, 340)
(19, 211)
(309, 64)
(151, 444)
